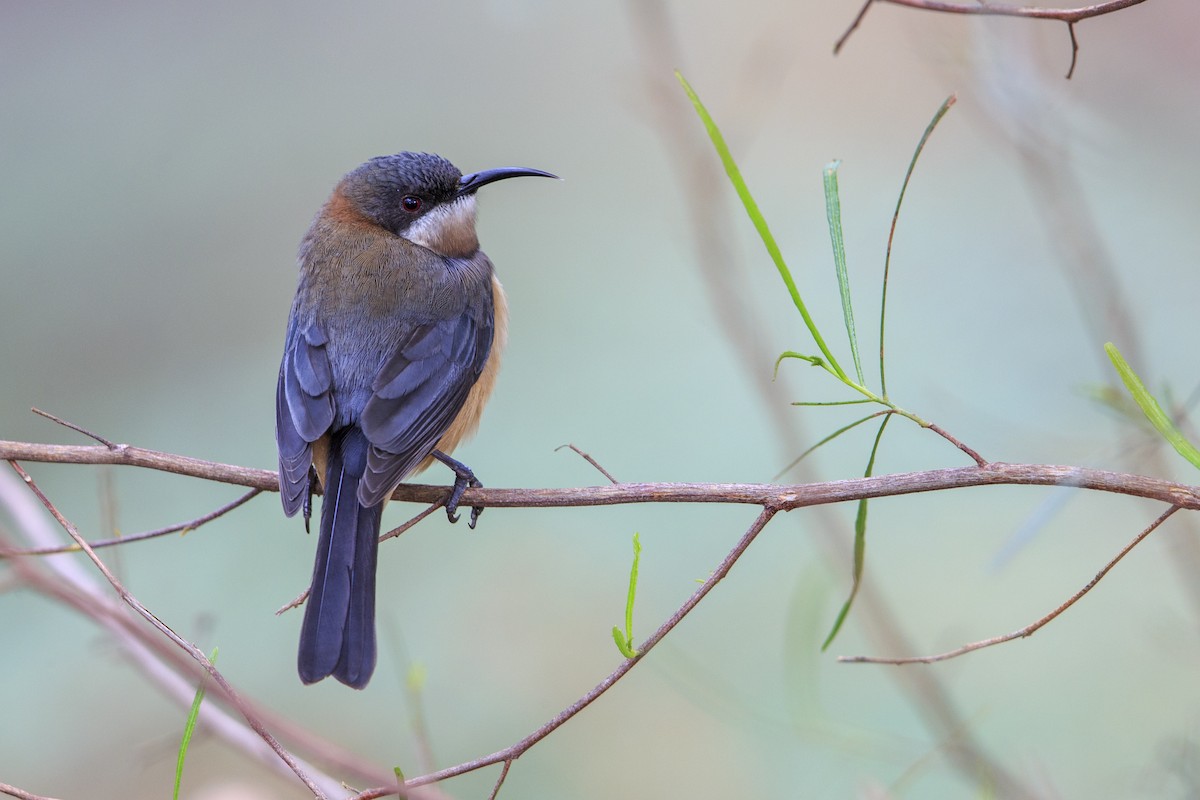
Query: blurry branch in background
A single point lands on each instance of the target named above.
(13, 791)
(225, 688)
(160, 660)
(1070, 16)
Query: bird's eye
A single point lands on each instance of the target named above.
(411, 203)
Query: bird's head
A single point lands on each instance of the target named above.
(423, 198)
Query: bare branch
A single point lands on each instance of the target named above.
(1028, 630)
(72, 426)
(782, 498)
(1068, 15)
(21, 793)
(590, 460)
(508, 754)
(137, 537)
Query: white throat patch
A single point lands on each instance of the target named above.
(448, 230)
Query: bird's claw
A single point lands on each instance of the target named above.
(464, 479)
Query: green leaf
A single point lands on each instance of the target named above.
(625, 640)
(860, 543)
(1150, 407)
(887, 260)
(623, 643)
(756, 217)
(858, 402)
(833, 212)
(189, 728)
(830, 437)
(816, 361)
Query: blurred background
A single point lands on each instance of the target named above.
(159, 163)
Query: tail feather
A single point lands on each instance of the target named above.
(337, 636)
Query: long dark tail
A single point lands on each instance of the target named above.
(338, 634)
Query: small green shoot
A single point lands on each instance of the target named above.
(833, 211)
(625, 640)
(190, 727)
(1150, 407)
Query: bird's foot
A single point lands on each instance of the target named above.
(464, 478)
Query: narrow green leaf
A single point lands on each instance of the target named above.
(189, 728)
(815, 361)
(625, 640)
(860, 543)
(1150, 407)
(633, 579)
(887, 260)
(623, 643)
(833, 212)
(828, 439)
(760, 223)
(859, 402)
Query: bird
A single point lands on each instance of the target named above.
(391, 351)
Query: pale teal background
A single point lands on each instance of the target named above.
(160, 161)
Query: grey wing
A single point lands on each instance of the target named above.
(303, 409)
(418, 394)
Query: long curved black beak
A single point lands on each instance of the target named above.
(469, 184)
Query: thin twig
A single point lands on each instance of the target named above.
(163, 665)
(1028, 630)
(590, 460)
(164, 629)
(21, 793)
(515, 751)
(960, 445)
(138, 537)
(500, 780)
(1070, 16)
(858, 18)
(73, 427)
(394, 532)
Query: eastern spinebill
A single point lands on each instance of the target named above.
(392, 349)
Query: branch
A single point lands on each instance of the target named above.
(21, 793)
(170, 634)
(781, 498)
(515, 751)
(1070, 16)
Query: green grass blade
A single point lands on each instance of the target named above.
(887, 260)
(860, 543)
(1150, 407)
(756, 217)
(189, 728)
(833, 212)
